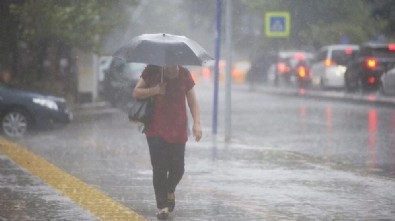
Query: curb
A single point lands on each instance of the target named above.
(373, 99)
(93, 105)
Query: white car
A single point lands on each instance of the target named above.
(330, 64)
(387, 86)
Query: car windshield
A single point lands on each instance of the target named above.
(122, 70)
(343, 56)
(132, 71)
(295, 57)
(383, 53)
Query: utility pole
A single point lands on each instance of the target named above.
(229, 64)
(216, 67)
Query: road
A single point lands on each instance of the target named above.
(361, 136)
(290, 158)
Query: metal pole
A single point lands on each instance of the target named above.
(229, 64)
(216, 67)
(95, 80)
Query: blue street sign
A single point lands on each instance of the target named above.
(277, 24)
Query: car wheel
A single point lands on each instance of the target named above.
(15, 123)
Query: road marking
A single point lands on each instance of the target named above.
(90, 198)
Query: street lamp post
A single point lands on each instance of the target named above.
(228, 83)
(216, 67)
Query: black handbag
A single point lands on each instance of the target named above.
(141, 110)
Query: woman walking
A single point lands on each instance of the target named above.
(171, 87)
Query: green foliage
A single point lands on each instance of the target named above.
(383, 10)
(81, 24)
(36, 34)
(323, 22)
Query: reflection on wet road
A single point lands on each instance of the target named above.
(354, 134)
(372, 140)
(289, 159)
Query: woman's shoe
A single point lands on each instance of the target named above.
(171, 201)
(163, 214)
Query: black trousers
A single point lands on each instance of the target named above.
(167, 162)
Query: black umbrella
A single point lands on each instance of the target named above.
(163, 50)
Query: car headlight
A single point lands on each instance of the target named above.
(46, 103)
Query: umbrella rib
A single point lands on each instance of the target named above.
(163, 50)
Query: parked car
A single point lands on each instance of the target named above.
(21, 111)
(387, 86)
(120, 80)
(303, 74)
(330, 65)
(365, 70)
(104, 65)
(285, 69)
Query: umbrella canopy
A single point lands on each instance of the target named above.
(163, 50)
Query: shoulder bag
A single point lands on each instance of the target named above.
(141, 110)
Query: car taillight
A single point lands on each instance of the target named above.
(302, 71)
(371, 63)
(348, 51)
(282, 68)
(391, 47)
(329, 62)
(372, 80)
(299, 56)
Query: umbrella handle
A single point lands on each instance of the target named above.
(161, 76)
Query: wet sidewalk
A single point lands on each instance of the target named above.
(26, 197)
(226, 182)
(269, 184)
(222, 182)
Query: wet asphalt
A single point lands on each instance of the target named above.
(245, 179)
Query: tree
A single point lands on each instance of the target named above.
(44, 32)
(76, 23)
(8, 33)
(317, 23)
(384, 10)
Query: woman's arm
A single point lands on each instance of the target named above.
(194, 108)
(141, 90)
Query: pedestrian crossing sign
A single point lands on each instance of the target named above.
(277, 24)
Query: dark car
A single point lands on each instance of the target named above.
(288, 65)
(22, 110)
(120, 80)
(365, 69)
(303, 74)
(259, 67)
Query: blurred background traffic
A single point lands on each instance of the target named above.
(62, 49)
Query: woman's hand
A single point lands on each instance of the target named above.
(194, 108)
(159, 89)
(197, 131)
